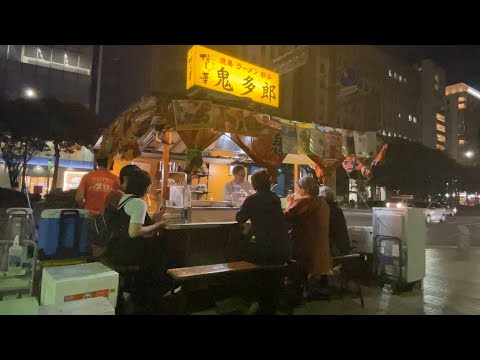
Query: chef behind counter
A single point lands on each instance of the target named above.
(237, 185)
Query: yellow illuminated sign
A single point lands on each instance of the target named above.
(216, 71)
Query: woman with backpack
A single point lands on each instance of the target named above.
(111, 203)
(134, 240)
(113, 198)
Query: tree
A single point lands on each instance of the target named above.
(17, 152)
(69, 124)
(17, 146)
(412, 168)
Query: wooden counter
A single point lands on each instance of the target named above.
(203, 243)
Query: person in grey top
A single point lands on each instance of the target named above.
(238, 182)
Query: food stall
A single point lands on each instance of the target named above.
(188, 146)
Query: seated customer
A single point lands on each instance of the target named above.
(271, 245)
(268, 223)
(128, 227)
(111, 203)
(337, 229)
(132, 243)
(113, 198)
(308, 216)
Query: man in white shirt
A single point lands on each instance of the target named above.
(238, 182)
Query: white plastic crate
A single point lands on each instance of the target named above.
(75, 282)
(91, 306)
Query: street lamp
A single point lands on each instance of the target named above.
(469, 154)
(30, 93)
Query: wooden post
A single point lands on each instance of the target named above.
(295, 176)
(165, 170)
(331, 181)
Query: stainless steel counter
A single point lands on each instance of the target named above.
(199, 225)
(208, 214)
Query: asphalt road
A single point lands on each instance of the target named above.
(439, 234)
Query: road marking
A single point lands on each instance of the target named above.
(448, 246)
(357, 213)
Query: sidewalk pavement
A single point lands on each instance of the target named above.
(451, 287)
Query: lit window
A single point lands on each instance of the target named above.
(390, 73)
(400, 78)
(414, 120)
(399, 115)
(440, 138)
(394, 135)
(384, 133)
(409, 117)
(441, 128)
(437, 78)
(461, 142)
(462, 99)
(462, 106)
(405, 80)
(395, 75)
(440, 147)
(405, 137)
(389, 133)
(56, 59)
(440, 117)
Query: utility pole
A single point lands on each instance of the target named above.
(331, 178)
(96, 78)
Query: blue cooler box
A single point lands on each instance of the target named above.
(63, 233)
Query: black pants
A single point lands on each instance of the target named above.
(265, 287)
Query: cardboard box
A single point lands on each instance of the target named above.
(76, 282)
(91, 306)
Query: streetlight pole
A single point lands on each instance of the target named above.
(330, 180)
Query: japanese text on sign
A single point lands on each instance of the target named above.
(216, 71)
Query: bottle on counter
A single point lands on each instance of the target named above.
(187, 204)
(15, 253)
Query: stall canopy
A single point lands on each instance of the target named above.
(267, 140)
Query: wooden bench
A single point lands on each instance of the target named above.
(181, 275)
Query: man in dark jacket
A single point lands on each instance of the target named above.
(338, 233)
(271, 245)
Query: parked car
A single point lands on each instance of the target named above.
(451, 210)
(433, 211)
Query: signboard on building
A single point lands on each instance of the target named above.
(71, 179)
(216, 71)
(292, 60)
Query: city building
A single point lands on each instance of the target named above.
(64, 72)
(131, 71)
(463, 103)
(436, 127)
(363, 87)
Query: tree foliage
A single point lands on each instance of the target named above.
(64, 123)
(412, 168)
(16, 152)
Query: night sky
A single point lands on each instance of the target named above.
(461, 62)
